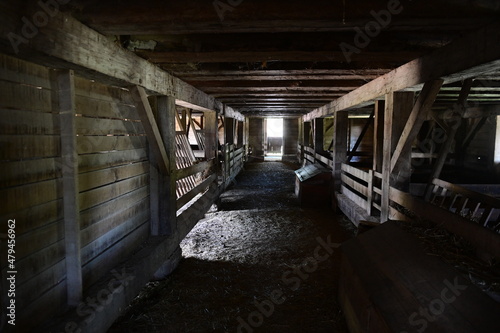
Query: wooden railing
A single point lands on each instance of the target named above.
(474, 206)
(203, 173)
(310, 155)
(361, 187)
(233, 162)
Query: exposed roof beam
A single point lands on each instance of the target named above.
(66, 43)
(475, 54)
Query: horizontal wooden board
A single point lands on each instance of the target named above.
(354, 197)
(103, 211)
(102, 126)
(94, 144)
(111, 192)
(99, 245)
(34, 288)
(90, 180)
(23, 197)
(20, 71)
(104, 108)
(93, 270)
(21, 97)
(95, 90)
(114, 220)
(354, 185)
(355, 172)
(28, 122)
(29, 171)
(33, 217)
(38, 262)
(101, 161)
(37, 239)
(18, 147)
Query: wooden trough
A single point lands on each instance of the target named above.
(388, 284)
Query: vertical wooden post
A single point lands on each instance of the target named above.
(339, 155)
(65, 98)
(210, 131)
(398, 106)
(168, 198)
(318, 136)
(378, 135)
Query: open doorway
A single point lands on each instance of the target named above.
(274, 137)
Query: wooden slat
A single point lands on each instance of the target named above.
(354, 197)
(21, 97)
(182, 173)
(354, 185)
(18, 147)
(93, 162)
(195, 191)
(363, 175)
(28, 122)
(90, 180)
(38, 239)
(95, 90)
(32, 194)
(109, 192)
(19, 71)
(101, 126)
(479, 197)
(105, 109)
(93, 144)
(34, 217)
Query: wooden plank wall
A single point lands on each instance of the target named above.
(291, 135)
(113, 177)
(256, 136)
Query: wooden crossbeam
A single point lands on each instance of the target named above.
(417, 117)
(369, 121)
(151, 127)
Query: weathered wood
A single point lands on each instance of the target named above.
(92, 144)
(28, 122)
(91, 162)
(467, 57)
(360, 138)
(417, 117)
(480, 237)
(452, 130)
(386, 156)
(358, 187)
(378, 135)
(318, 136)
(195, 191)
(64, 98)
(100, 126)
(358, 173)
(151, 128)
(340, 123)
(195, 168)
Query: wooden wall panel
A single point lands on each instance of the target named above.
(291, 135)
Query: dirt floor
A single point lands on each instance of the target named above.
(260, 263)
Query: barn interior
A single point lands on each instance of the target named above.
(250, 165)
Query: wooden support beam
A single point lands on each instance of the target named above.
(452, 130)
(64, 42)
(151, 128)
(398, 106)
(318, 136)
(340, 122)
(64, 98)
(417, 117)
(211, 135)
(369, 121)
(467, 57)
(378, 135)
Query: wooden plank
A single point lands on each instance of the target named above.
(358, 173)
(195, 191)
(182, 173)
(482, 198)
(151, 128)
(28, 122)
(354, 197)
(102, 126)
(93, 144)
(20, 71)
(34, 240)
(467, 57)
(386, 156)
(105, 109)
(93, 179)
(105, 211)
(418, 115)
(82, 49)
(34, 217)
(20, 97)
(18, 147)
(18, 173)
(378, 135)
(105, 193)
(479, 236)
(64, 95)
(32, 194)
(362, 189)
(92, 90)
(92, 162)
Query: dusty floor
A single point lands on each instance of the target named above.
(259, 264)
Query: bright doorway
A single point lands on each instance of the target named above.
(274, 137)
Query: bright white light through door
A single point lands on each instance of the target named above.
(274, 136)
